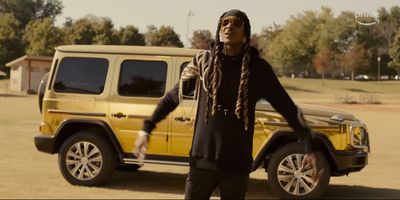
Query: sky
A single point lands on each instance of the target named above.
(262, 13)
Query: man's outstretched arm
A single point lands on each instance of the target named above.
(281, 101)
(167, 104)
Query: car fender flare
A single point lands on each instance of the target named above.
(280, 137)
(61, 135)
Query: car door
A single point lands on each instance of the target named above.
(182, 118)
(139, 84)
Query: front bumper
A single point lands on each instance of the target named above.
(45, 143)
(353, 161)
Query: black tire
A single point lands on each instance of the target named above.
(281, 155)
(42, 89)
(95, 169)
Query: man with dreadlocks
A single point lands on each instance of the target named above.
(231, 78)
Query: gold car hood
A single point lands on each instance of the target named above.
(313, 110)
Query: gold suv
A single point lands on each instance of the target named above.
(94, 99)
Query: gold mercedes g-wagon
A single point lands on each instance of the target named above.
(94, 99)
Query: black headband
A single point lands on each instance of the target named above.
(234, 12)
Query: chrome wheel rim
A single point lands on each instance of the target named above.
(292, 178)
(84, 160)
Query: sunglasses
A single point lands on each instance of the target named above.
(235, 21)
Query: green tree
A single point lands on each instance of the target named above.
(334, 37)
(389, 23)
(90, 30)
(10, 43)
(164, 36)
(14, 16)
(323, 62)
(353, 59)
(394, 53)
(130, 35)
(347, 33)
(387, 29)
(42, 37)
(81, 31)
(327, 32)
(264, 40)
(378, 38)
(293, 49)
(104, 31)
(201, 39)
(27, 10)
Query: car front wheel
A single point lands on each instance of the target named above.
(86, 159)
(289, 181)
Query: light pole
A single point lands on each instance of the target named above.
(189, 14)
(379, 68)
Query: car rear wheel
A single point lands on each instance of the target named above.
(289, 181)
(86, 159)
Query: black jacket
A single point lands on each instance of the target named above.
(221, 142)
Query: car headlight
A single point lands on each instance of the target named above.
(359, 136)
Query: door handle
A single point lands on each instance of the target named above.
(118, 115)
(182, 119)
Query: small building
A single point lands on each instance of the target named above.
(27, 71)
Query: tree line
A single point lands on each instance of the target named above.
(315, 44)
(28, 27)
(309, 44)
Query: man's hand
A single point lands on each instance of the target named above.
(310, 161)
(141, 146)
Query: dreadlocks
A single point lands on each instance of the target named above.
(214, 76)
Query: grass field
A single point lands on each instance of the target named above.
(337, 91)
(327, 91)
(27, 173)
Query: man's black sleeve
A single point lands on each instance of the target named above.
(167, 104)
(279, 99)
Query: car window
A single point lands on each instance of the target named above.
(188, 87)
(142, 78)
(81, 75)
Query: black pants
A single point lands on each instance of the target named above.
(200, 184)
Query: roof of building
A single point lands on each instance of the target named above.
(29, 57)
